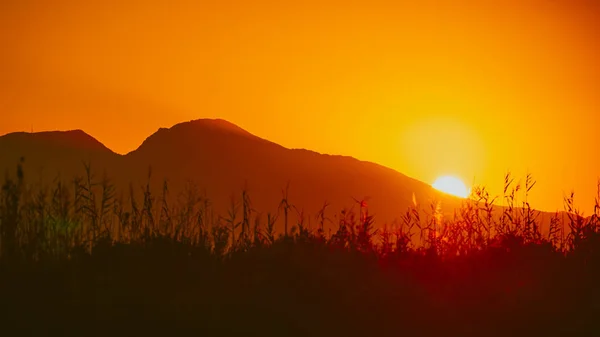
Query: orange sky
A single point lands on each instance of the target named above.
(468, 88)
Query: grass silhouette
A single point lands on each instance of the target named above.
(81, 258)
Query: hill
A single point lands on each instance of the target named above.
(222, 160)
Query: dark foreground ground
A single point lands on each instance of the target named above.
(296, 288)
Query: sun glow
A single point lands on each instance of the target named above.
(451, 185)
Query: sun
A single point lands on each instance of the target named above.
(451, 185)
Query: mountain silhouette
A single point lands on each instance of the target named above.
(222, 159)
(49, 154)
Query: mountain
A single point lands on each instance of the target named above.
(223, 159)
(48, 154)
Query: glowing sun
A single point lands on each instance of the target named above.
(451, 185)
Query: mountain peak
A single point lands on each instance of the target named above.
(75, 139)
(216, 123)
(196, 131)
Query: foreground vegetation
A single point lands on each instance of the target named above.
(80, 258)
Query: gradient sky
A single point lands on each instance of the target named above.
(467, 88)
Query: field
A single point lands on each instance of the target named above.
(80, 258)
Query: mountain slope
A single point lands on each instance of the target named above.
(223, 159)
(53, 153)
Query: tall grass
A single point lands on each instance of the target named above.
(81, 257)
(39, 221)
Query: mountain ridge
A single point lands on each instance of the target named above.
(224, 159)
(215, 123)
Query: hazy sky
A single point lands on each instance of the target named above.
(468, 88)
